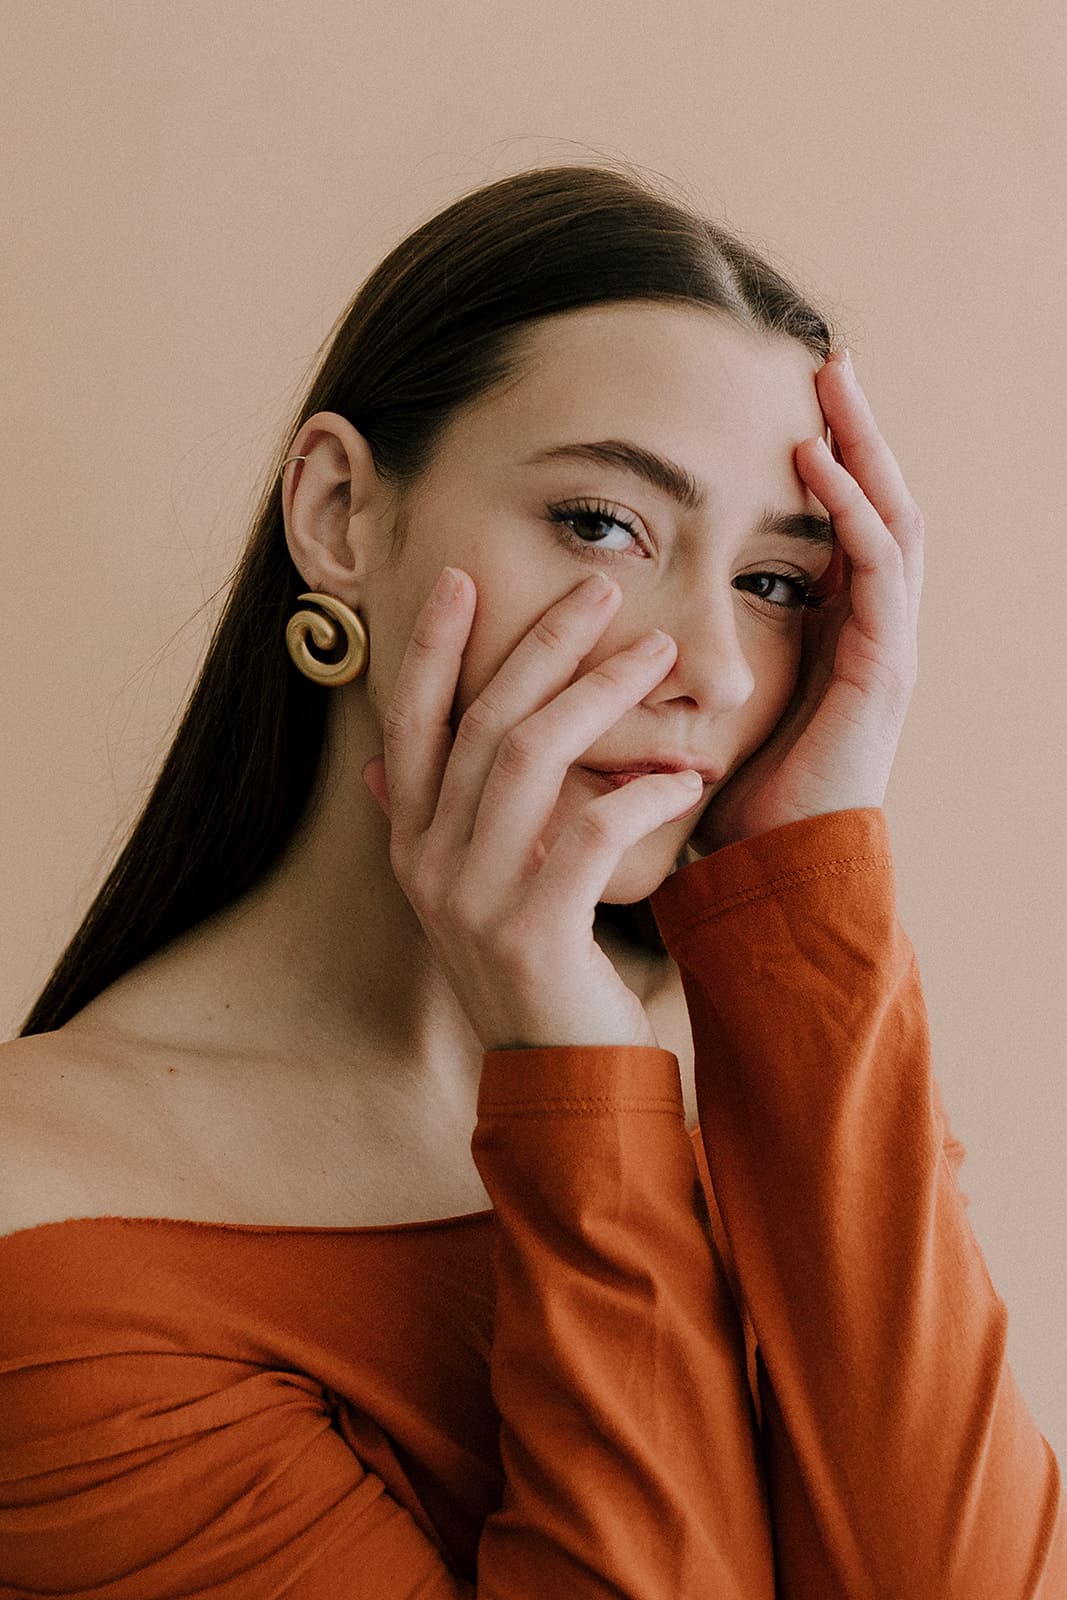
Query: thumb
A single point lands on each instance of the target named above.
(374, 778)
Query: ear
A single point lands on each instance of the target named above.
(329, 504)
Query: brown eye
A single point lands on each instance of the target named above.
(586, 515)
(794, 592)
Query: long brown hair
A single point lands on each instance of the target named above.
(438, 324)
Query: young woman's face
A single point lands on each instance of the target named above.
(726, 403)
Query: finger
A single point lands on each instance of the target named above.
(878, 594)
(523, 786)
(416, 730)
(822, 628)
(861, 448)
(374, 777)
(543, 662)
(583, 858)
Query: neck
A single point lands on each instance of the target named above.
(321, 965)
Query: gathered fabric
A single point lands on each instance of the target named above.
(762, 1360)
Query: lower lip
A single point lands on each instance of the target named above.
(614, 780)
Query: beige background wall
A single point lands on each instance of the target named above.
(195, 190)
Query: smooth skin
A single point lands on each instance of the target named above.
(316, 1019)
(834, 748)
(509, 918)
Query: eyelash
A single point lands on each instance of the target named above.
(808, 594)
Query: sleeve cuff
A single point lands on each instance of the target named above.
(834, 844)
(580, 1080)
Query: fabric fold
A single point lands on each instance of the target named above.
(901, 1457)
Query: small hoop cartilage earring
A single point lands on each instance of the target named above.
(287, 460)
(325, 631)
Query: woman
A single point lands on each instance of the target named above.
(508, 1175)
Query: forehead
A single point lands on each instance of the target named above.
(689, 380)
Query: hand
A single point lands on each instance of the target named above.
(833, 748)
(511, 923)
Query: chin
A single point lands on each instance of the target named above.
(644, 866)
(641, 872)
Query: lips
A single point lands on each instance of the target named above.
(638, 769)
(610, 779)
(614, 780)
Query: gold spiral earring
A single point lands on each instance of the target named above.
(325, 632)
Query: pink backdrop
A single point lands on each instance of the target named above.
(197, 190)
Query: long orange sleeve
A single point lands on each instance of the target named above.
(901, 1458)
(761, 1362)
(203, 1410)
(627, 1436)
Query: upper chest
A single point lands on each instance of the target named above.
(97, 1132)
(94, 1126)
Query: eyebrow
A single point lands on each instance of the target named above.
(681, 486)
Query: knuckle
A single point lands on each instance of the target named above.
(395, 721)
(909, 522)
(477, 722)
(885, 554)
(456, 907)
(439, 903)
(898, 681)
(400, 862)
(422, 645)
(479, 923)
(593, 828)
(517, 752)
(896, 559)
(617, 672)
(549, 633)
(856, 497)
(515, 945)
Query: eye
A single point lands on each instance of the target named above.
(800, 592)
(776, 592)
(589, 514)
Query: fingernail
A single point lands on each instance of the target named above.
(597, 588)
(652, 643)
(446, 588)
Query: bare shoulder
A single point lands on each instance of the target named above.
(87, 1130)
(38, 1075)
(57, 1102)
(97, 1124)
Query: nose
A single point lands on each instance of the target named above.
(711, 668)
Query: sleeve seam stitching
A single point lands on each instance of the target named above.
(589, 1105)
(789, 880)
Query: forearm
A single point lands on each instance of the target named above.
(617, 1364)
(900, 1453)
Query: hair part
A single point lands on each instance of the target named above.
(439, 324)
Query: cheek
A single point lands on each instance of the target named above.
(776, 667)
(499, 627)
(479, 665)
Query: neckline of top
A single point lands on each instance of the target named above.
(274, 1227)
(257, 1227)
